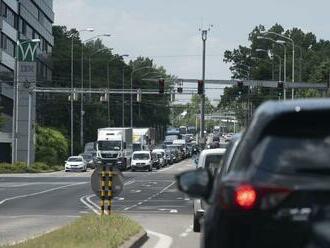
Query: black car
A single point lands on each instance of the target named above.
(277, 185)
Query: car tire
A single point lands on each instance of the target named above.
(196, 225)
(150, 168)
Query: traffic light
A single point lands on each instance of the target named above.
(200, 87)
(139, 96)
(280, 88)
(240, 86)
(180, 90)
(161, 86)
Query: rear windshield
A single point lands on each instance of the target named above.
(285, 154)
(212, 162)
(75, 159)
(141, 156)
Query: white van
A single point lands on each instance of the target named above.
(142, 160)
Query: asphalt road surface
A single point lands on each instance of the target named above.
(34, 204)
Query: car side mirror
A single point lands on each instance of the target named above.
(196, 183)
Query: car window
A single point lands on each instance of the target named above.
(212, 162)
(283, 154)
(75, 159)
(141, 156)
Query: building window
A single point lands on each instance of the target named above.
(6, 74)
(8, 45)
(9, 16)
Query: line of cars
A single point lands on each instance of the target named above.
(271, 188)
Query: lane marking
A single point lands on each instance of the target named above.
(82, 199)
(37, 215)
(164, 240)
(41, 192)
(151, 197)
(186, 232)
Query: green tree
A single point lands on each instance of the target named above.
(51, 146)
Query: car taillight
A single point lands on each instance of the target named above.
(245, 196)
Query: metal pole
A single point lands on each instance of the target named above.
(90, 77)
(204, 38)
(293, 74)
(108, 80)
(82, 99)
(13, 135)
(71, 100)
(280, 70)
(284, 76)
(29, 131)
(123, 100)
(132, 97)
(17, 108)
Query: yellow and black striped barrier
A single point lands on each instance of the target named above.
(106, 189)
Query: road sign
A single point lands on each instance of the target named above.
(117, 182)
(27, 51)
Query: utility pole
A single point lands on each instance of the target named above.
(123, 99)
(204, 38)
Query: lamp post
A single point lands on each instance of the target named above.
(281, 43)
(293, 54)
(133, 71)
(15, 97)
(280, 61)
(82, 87)
(90, 68)
(72, 73)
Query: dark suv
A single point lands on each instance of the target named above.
(277, 186)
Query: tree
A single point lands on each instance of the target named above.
(106, 68)
(312, 65)
(51, 146)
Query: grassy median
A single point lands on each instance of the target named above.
(22, 168)
(88, 231)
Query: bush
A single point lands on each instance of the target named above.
(52, 147)
(22, 168)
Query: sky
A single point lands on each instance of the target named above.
(168, 30)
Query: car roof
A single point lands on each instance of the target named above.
(75, 157)
(213, 151)
(141, 152)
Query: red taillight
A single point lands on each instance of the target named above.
(245, 196)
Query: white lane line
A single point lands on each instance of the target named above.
(151, 197)
(186, 232)
(16, 185)
(37, 216)
(129, 182)
(164, 240)
(41, 192)
(91, 207)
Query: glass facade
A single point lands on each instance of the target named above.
(34, 22)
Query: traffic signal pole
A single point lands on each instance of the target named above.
(204, 38)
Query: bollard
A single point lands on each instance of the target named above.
(106, 190)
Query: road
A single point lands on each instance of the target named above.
(34, 204)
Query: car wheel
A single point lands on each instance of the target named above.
(150, 168)
(197, 225)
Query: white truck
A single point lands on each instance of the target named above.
(114, 146)
(143, 139)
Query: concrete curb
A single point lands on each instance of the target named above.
(136, 241)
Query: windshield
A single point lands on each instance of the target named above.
(74, 159)
(141, 156)
(212, 162)
(87, 157)
(109, 145)
(291, 154)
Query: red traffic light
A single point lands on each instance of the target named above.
(240, 84)
(200, 87)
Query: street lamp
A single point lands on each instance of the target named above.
(82, 87)
(123, 88)
(90, 68)
(15, 97)
(293, 54)
(133, 71)
(279, 58)
(71, 99)
(281, 43)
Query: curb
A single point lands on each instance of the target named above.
(136, 241)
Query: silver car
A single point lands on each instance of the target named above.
(209, 159)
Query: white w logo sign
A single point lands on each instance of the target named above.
(28, 51)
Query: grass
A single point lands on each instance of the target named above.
(88, 231)
(22, 168)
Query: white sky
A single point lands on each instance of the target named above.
(167, 30)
